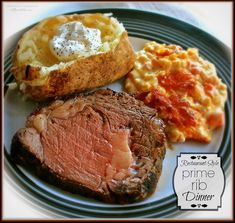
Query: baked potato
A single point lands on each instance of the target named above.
(41, 72)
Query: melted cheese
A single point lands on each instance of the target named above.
(182, 86)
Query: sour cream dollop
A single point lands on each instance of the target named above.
(74, 40)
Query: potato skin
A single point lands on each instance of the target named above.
(87, 73)
(94, 71)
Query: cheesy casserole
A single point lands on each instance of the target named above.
(183, 87)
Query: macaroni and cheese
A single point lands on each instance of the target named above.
(183, 87)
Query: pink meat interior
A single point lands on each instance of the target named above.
(84, 149)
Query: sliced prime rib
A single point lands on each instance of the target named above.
(104, 145)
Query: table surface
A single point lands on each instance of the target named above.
(215, 18)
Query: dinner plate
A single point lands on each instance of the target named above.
(142, 27)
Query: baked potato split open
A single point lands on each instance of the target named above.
(41, 75)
